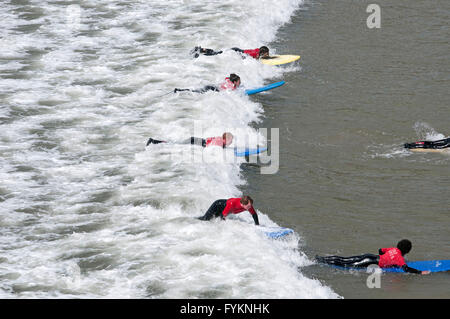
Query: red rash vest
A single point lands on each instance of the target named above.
(234, 206)
(227, 85)
(391, 257)
(253, 53)
(217, 141)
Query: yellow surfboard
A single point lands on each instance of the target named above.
(280, 59)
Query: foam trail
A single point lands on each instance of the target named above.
(426, 132)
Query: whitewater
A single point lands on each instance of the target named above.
(86, 209)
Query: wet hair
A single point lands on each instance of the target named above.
(405, 246)
(246, 199)
(227, 139)
(227, 135)
(263, 50)
(234, 77)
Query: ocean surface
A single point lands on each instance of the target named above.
(346, 185)
(88, 211)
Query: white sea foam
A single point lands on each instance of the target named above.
(427, 133)
(86, 210)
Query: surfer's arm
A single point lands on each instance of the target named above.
(254, 215)
(227, 210)
(413, 270)
(255, 218)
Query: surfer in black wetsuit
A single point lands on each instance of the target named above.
(231, 83)
(439, 144)
(260, 53)
(223, 141)
(388, 257)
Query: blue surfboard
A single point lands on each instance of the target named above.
(423, 265)
(249, 151)
(277, 232)
(264, 88)
(430, 265)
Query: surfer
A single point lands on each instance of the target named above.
(223, 207)
(386, 258)
(439, 144)
(261, 53)
(223, 141)
(231, 83)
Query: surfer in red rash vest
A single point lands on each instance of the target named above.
(223, 141)
(386, 258)
(223, 207)
(231, 83)
(261, 53)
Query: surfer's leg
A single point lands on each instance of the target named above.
(195, 141)
(180, 90)
(215, 210)
(153, 141)
(237, 50)
(199, 50)
(196, 52)
(198, 141)
(366, 260)
(209, 52)
(353, 261)
(444, 143)
(206, 89)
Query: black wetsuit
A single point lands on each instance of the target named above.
(361, 261)
(192, 140)
(202, 90)
(439, 144)
(215, 210)
(199, 50)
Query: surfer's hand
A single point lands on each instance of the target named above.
(425, 272)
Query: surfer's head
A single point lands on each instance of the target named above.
(227, 138)
(235, 79)
(246, 202)
(404, 246)
(263, 52)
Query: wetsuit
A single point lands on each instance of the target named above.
(202, 90)
(216, 141)
(254, 53)
(199, 50)
(353, 261)
(226, 85)
(439, 144)
(388, 257)
(223, 207)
